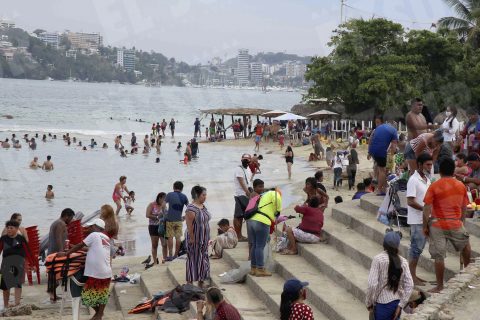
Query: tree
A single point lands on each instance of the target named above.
(467, 22)
(367, 68)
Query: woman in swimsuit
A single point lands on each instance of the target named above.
(117, 195)
(289, 160)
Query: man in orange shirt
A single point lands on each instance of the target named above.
(445, 203)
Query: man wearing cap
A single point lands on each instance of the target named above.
(242, 189)
(95, 293)
(443, 213)
(472, 181)
(292, 304)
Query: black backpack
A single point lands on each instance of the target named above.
(180, 298)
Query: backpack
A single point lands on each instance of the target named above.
(253, 208)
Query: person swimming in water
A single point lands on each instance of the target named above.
(48, 165)
(34, 163)
(49, 194)
(179, 146)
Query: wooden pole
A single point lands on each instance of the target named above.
(223, 127)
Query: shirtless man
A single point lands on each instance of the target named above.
(416, 122)
(34, 164)
(48, 165)
(49, 194)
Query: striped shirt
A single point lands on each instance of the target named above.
(378, 291)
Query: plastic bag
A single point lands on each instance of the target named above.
(236, 275)
(281, 244)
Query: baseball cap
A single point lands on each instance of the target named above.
(473, 157)
(96, 222)
(294, 285)
(392, 239)
(246, 156)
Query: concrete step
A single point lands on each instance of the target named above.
(371, 203)
(324, 293)
(240, 295)
(267, 289)
(340, 268)
(128, 296)
(151, 282)
(364, 224)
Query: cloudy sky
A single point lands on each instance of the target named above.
(197, 30)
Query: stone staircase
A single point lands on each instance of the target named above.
(337, 270)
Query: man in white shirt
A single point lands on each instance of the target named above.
(96, 291)
(416, 188)
(242, 189)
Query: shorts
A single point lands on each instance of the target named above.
(439, 237)
(417, 241)
(96, 292)
(241, 203)
(258, 138)
(380, 161)
(305, 237)
(409, 154)
(174, 229)
(153, 230)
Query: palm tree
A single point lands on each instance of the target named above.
(467, 23)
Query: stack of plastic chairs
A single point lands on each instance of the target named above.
(75, 232)
(34, 246)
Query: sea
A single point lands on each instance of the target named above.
(84, 180)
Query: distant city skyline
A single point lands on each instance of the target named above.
(197, 31)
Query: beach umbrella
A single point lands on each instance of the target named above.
(322, 113)
(289, 116)
(273, 113)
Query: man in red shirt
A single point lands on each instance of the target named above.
(445, 203)
(223, 310)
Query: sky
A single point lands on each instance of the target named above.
(195, 31)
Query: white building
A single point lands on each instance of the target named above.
(120, 57)
(295, 69)
(50, 38)
(256, 74)
(243, 67)
(6, 24)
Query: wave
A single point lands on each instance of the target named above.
(81, 132)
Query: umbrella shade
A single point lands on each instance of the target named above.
(289, 116)
(273, 113)
(322, 113)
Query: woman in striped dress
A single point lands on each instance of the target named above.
(197, 218)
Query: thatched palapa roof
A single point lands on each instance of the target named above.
(236, 111)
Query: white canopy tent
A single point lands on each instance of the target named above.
(289, 116)
(322, 113)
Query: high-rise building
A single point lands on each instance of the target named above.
(120, 57)
(85, 41)
(50, 38)
(243, 67)
(256, 74)
(128, 59)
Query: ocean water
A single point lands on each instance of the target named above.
(84, 180)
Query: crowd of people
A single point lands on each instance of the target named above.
(436, 209)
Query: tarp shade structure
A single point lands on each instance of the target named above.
(289, 116)
(322, 114)
(273, 113)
